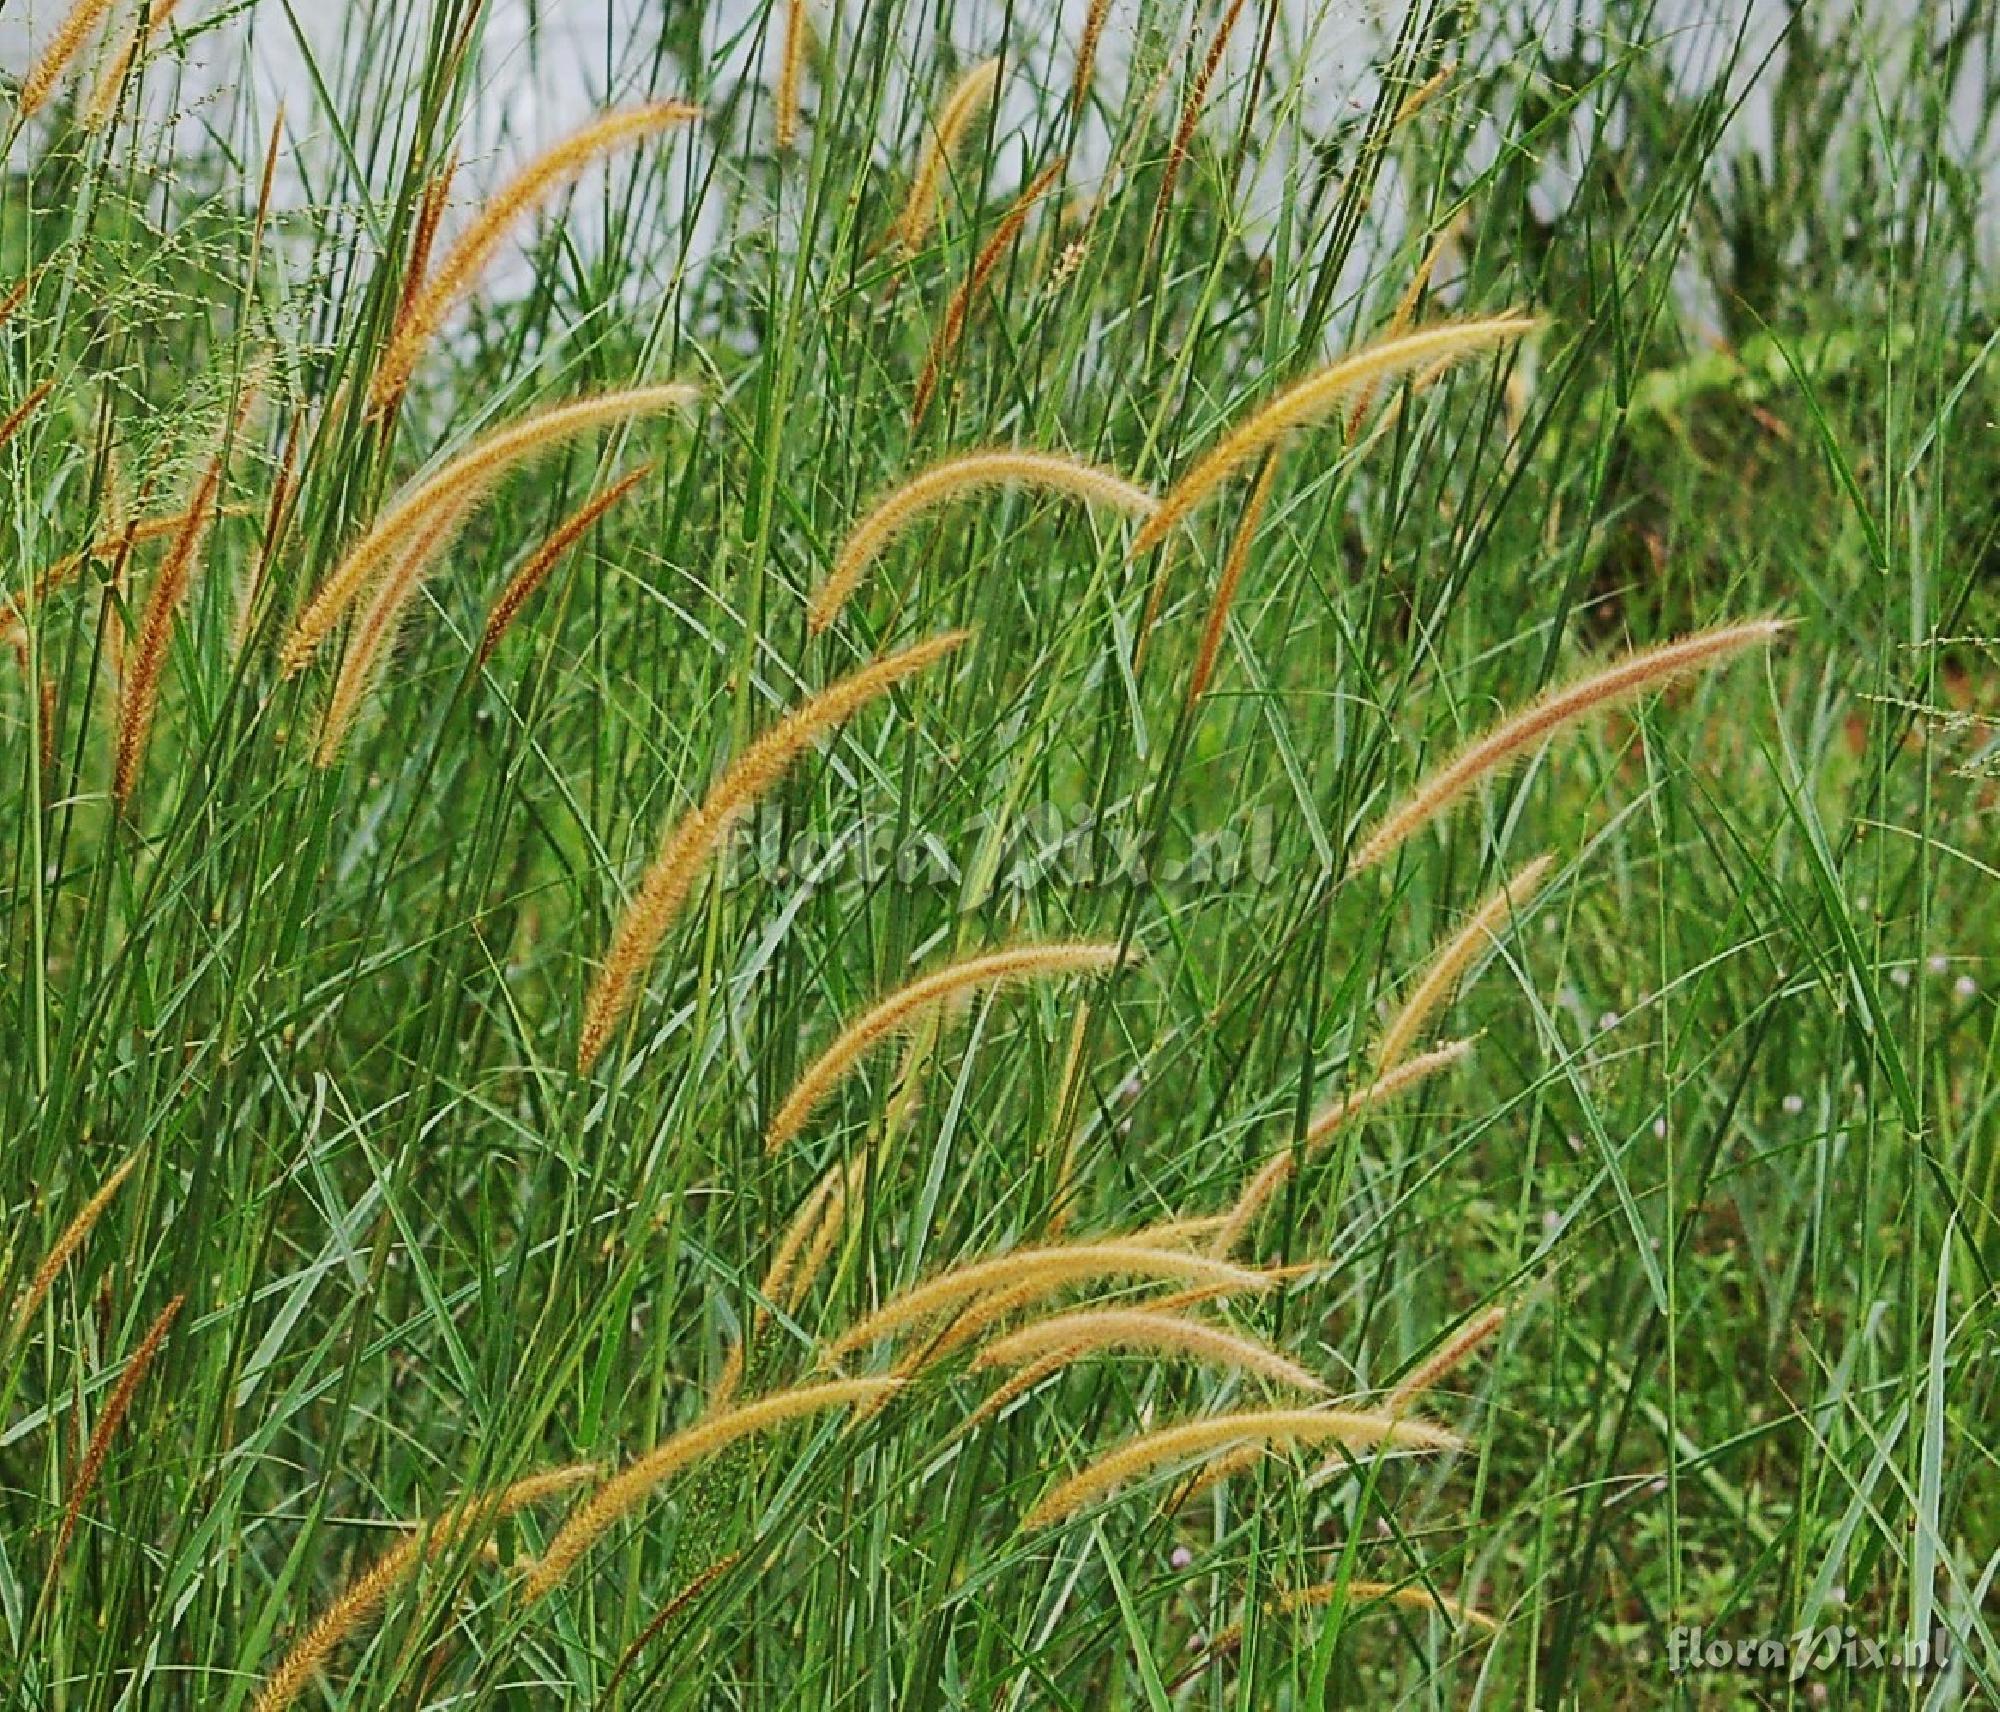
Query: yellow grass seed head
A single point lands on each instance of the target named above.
(954, 478)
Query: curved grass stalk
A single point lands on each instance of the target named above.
(1434, 985)
(463, 263)
(1277, 1171)
(377, 627)
(1447, 1358)
(524, 583)
(464, 480)
(969, 97)
(368, 1592)
(630, 1488)
(1094, 1331)
(1268, 1428)
(1633, 675)
(69, 1242)
(696, 835)
(954, 478)
(1308, 400)
(939, 987)
(1040, 1267)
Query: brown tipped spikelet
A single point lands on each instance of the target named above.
(954, 478)
(960, 307)
(1271, 1428)
(104, 95)
(1045, 1268)
(1638, 672)
(696, 835)
(667, 1613)
(69, 1242)
(1308, 400)
(1094, 1331)
(1232, 574)
(465, 479)
(1278, 1169)
(141, 691)
(1191, 111)
(423, 236)
(633, 1484)
(17, 418)
(467, 259)
(1086, 55)
(77, 27)
(1446, 1358)
(791, 57)
(115, 1411)
(993, 968)
(530, 577)
(367, 1593)
(945, 135)
(1434, 985)
(376, 629)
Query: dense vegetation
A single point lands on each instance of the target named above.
(422, 897)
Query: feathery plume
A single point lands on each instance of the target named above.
(1306, 401)
(1232, 574)
(803, 1247)
(969, 97)
(1050, 1267)
(1191, 112)
(1448, 1356)
(76, 28)
(104, 95)
(1407, 1596)
(1213, 1473)
(792, 54)
(530, 577)
(1644, 669)
(1441, 974)
(668, 1612)
(954, 478)
(17, 418)
(1277, 1171)
(730, 1380)
(368, 1592)
(69, 1242)
(940, 986)
(989, 258)
(631, 1486)
(1400, 319)
(1274, 1428)
(140, 694)
(466, 478)
(113, 543)
(423, 237)
(1086, 55)
(696, 834)
(376, 629)
(1424, 94)
(115, 1411)
(467, 259)
(1091, 1331)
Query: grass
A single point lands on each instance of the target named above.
(1723, 1150)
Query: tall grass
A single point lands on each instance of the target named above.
(1535, 1192)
